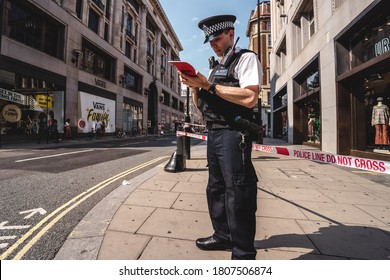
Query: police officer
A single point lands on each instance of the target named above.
(231, 90)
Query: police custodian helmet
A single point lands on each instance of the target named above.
(214, 26)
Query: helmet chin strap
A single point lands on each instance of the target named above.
(225, 61)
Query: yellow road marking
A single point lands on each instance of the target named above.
(86, 195)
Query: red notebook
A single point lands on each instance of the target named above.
(184, 67)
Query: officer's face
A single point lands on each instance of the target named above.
(222, 43)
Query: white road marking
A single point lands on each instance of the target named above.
(33, 212)
(128, 144)
(8, 237)
(56, 155)
(4, 227)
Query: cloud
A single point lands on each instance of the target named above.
(238, 22)
(195, 19)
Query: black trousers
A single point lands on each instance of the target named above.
(232, 191)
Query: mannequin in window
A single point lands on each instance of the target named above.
(381, 120)
(310, 126)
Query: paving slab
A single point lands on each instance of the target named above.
(129, 218)
(190, 187)
(189, 225)
(122, 246)
(160, 248)
(349, 241)
(337, 213)
(191, 202)
(300, 194)
(274, 254)
(278, 209)
(152, 198)
(158, 185)
(283, 234)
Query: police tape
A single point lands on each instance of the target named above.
(373, 165)
(192, 135)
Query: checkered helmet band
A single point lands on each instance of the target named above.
(208, 30)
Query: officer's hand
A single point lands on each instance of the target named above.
(199, 81)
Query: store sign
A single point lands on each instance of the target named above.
(95, 109)
(12, 113)
(100, 83)
(382, 46)
(45, 101)
(12, 96)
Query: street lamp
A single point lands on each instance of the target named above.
(260, 138)
(187, 127)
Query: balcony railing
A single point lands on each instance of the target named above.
(131, 36)
(99, 4)
(150, 55)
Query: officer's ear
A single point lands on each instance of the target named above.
(231, 33)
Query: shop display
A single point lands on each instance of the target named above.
(380, 119)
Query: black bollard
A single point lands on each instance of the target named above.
(177, 163)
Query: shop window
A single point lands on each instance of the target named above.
(28, 105)
(280, 114)
(32, 27)
(132, 119)
(307, 109)
(369, 42)
(377, 103)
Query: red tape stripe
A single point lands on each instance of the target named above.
(317, 156)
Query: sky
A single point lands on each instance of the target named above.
(184, 16)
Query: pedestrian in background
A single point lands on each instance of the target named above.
(68, 129)
(103, 128)
(98, 129)
(231, 90)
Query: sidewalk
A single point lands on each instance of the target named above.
(306, 210)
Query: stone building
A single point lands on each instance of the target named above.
(329, 65)
(265, 42)
(89, 61)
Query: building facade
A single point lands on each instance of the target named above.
(262, 36)
(329, 68)
(88, 61)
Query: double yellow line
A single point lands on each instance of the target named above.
(64, 209)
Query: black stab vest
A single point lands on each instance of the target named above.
(217, 109)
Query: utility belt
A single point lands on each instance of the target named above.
(240, 124)
(219, 125)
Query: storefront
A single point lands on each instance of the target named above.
(307, 105)
(280, 123)
(95, 107)
(29, 95)
(132, 116)
(363, 89)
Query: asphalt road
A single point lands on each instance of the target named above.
(46, 191)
